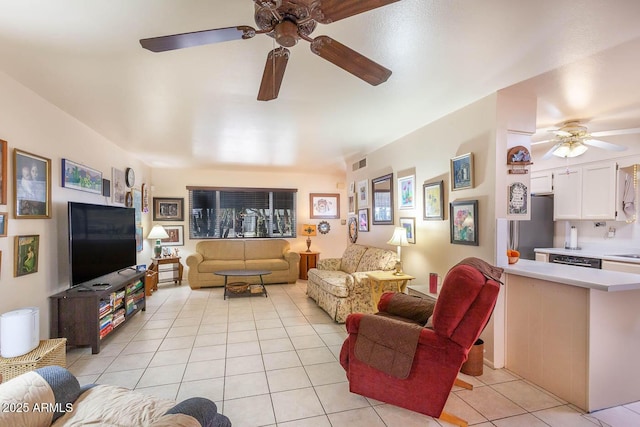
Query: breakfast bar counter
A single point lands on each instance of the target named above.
(574, 331)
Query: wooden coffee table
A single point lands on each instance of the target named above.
(243, 273)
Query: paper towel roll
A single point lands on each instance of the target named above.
(19, 331)
(573, 241)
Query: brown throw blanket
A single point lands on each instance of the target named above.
(387, 344)
(489, 271)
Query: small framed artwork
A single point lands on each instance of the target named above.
(432, 196)
(463, 217)
(363, 193)
(363, 219)
(462, 172)
(352, 204)
(3, 172)
(517, 193)
(32, 185)
(119, 192)
(4, 218)
(80, 177)
(145, 198)
(352, 229)
(352, 187)
(26, 249)
(406, 192)
(324, 206)
(176, 235)
(168, 209)
(409, 224)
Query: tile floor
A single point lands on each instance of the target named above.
(274, 362)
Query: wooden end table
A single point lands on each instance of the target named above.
(243, 273)
(381, 279)
(308, 260)
(176, 268)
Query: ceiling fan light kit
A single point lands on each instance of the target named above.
(573, 139)
(288, 21)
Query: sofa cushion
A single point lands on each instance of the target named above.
(264, 249)
(212, 266)
(266, 264)
(333, 282)
(377, 259)
(221, 250)
(351, 258)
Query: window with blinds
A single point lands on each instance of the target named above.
(232, 213)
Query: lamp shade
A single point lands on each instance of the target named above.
(158, 232)
(399, 237)
(570, 149)
(309, 230)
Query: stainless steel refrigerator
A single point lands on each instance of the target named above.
(525, 236)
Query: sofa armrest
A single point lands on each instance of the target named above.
(194, 259)
(329, 264)
(200, 408)
(291, 257)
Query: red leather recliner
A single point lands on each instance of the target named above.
(463, 308)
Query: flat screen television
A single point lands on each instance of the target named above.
(102, 240)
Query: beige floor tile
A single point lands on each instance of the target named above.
(250, 411)
(246, 325)
(167, 391)
(338, 398)
(149, 334)
(563, 416)
(161, 375)
(130, 361)
(170, 357)
(617, 417)
(90, 365)
(127, 379)
(146, 346)
(462, 409)
(182, 331)
(243, 349)
(267, 319)
(527, 396)
(281, 360)
(307, 341)
(326, 373)
(524, 420)
(177, 343)
(210, 339)
(106, 349)
(212, 352)
(287, 379)
(365, 417)
(212, 389)
(490, 403)
(394, 416)
(187, 321)
(312, 356)
(245, 385)
(213, 328)
(244, 365)
(272, 333)
(296, 404)
(320, 421)
(203, 370)
(158, 324)
(242, 336)
(277, 345)
(300, 330)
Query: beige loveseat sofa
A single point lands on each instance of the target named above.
(340, 286)
(215, 255)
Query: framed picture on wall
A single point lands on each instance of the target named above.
(463, 217)
(406, 192)
(32, 185)
(81, 177)
(461, 169)
(4, 218)
(433, 199)
(362, 193)
(409, 224)
(324, 206)
(363, 219)
(168, 209)
(26, 250)
(3, 172)
(176, 235)
(119, 192)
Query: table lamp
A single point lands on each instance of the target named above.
(399, 239)
(158, 232)
(309, 230)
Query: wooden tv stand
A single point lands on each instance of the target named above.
(89, 312)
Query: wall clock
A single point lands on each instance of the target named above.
(130, 177)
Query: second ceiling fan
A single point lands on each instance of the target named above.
(288, 21)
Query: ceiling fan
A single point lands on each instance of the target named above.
(288, 21)
(573, 139)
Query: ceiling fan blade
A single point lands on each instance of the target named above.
(273, 74)
(350, 60)
(616, 132)
(549, 153)
(544, 141)
(560, 132)
(197, 38)
(604, 145)
(334, 10)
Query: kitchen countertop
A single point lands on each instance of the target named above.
(591, 278)
(594, 254)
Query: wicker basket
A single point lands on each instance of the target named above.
(48, 353)
(238, 287)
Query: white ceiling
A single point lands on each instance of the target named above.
(197, 107)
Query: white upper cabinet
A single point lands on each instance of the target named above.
(585, 192)
(542, 182)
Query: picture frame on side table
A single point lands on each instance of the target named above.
(26, 252)
(324, 206)
(409, 224)
(363, 219)
(32, 185)
(461, 170)
(3, 172)
(433, 199)
(168, 209)
(463, 217)
(407, 192)
(4, 219)
(176, 235)
(81, 177)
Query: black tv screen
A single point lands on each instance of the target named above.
(102, 240)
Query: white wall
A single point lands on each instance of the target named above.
(174, 182)
(31, 124)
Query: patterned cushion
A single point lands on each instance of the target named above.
(336, 283)
(351, 258)
(377, 259)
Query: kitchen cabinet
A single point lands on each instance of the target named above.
(542, 182)
(585, 192)
(625, 267)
